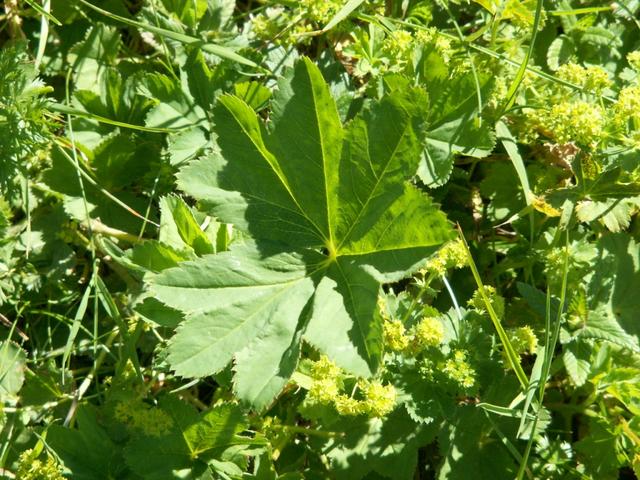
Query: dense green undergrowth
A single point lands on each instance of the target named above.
(319, 239)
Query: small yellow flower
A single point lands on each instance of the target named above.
(32, 468)
(579, 121)
(346, 405)
(496, 301)
(451, 255)
(634, 60)
(394, 335)
(429, 332)
(524, 340)
(320, 11)
(628, 104)
(592, 78)
(380, 399)
(459, 370)
(324, 368)
(425, 37)
(324, 391)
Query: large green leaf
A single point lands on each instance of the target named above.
(466, 446)
(12, 367)
(386, 446)
(333, 215)
(576, 357)
(88, 451)
(454, 127)
(190, 442)
(613, 289)
(94, 54)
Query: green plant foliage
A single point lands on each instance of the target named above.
(25, 130)
(12, 366)
(319, 239)
(455, 127)
(88, 451)
(617, 275)
(351, 199)
(187, 437)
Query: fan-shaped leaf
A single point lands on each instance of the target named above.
(332, 215)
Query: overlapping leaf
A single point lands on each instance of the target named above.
(332, 215)
(454, 127)
(613, 291)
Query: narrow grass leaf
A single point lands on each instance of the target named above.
(212, 48)
(342, 14)
(75, 327)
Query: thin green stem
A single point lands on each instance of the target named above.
(513, 89)
(512, 357)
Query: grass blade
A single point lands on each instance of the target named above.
(60, 108)
(44, 32)
(43, 11)
(343, 13)
(509, 143)
(580, 11)
(512, 356)
(515, 85)
(75, 327)
(218, 50)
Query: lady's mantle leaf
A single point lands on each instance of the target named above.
(453, 127)
(239, 303)
(12, 367)
(305, 185)
(613, 290)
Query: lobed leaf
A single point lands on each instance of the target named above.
(332, 215)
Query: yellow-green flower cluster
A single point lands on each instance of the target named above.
(263, 26)
(592, 78)
(326, 384)
(271, 426)
(498, 93)
(398, 47)
(325, 368)
(634, 60)
(458, 369)
(496, 301)
(554, 261)
(375, 399)
(451, 255)
(579, 121)
(628, 104)
(320, 11)
(281, 26)
(324, 391)
(395, 337)
(428, 368)
(68, 232)
(349, 406)
(151, 421)
(379, 399)
(426, 36)
(399, 43)
(523, 340)
(442, 45)
(31, 468)
(429, 332)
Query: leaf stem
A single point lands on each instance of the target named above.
(512, 357)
